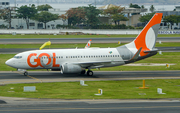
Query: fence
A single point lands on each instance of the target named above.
(85, 31)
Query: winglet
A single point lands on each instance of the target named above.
(135, 57)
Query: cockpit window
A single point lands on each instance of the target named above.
(17, 57)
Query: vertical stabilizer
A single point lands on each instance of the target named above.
(88, 44)
(147, 38)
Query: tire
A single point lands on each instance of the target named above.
(89, 73)
(25, 73)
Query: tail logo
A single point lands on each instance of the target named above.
(147, 38)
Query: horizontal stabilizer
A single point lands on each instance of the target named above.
(163, 49)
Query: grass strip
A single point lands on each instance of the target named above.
(172, 57)
(59, 45)
(78, 36)
(101, 45)
(126, 89)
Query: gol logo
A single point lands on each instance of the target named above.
(40, 62)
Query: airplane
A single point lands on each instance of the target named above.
(79, 60)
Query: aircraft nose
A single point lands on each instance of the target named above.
(9, 62)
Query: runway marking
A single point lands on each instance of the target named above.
(29, 76)
(53, 109)
(32, 77)
(17, 72)
(20, 81)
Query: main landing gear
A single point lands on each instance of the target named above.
(89, 72)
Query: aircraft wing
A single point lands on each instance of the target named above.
(98, 64)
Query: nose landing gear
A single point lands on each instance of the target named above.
(23, 71)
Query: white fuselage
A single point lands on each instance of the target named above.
(54, 58)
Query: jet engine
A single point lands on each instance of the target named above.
(71, 68)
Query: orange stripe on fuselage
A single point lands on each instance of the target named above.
(140, 41)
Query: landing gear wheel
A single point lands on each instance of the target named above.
(25, 73)
(89, 73)
(83, 72)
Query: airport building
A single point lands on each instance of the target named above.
(4, 4)
(133, 15)
(20, 23)
(164, 25)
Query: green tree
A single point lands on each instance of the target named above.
(134, 5)
(92, 15)
(146, 17)
(43, 7)
(115, 13)
(172, 19)
(27, 13)
(63, 17)
(113, 10)
(142, 7)
(118, 17)
(45, 17)
(76, 15)
(5, 14)
(152, 9)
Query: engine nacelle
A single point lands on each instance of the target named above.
(71, 68)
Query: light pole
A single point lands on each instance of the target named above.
(95, 3)
(14, 3)
(37, 2)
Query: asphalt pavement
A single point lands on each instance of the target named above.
(31, 105)
(78, 40)
(55, 76)
(20, 105)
